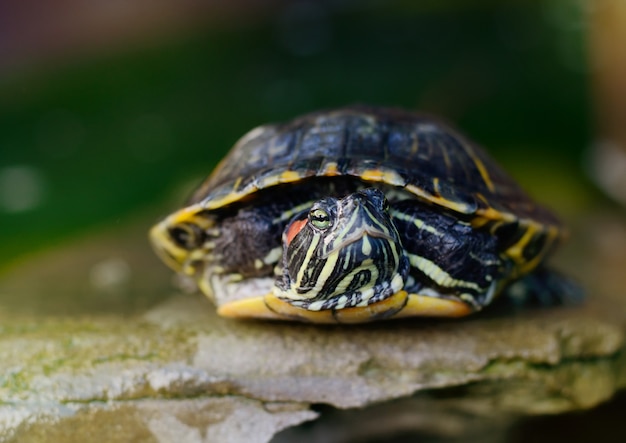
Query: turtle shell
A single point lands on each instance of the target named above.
(417, 153)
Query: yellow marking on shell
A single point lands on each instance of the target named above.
(493, 228)
(267, 182)
(488, 213)
(450, 204)
(226, 200)
(480, 166)
(484, 174)
(237, 182)
(552, 235)
(516, 251)
(479, 222)
(493, 214)
(399, 305)
(482, 198)
(329, 169)
(171, 253)
(425, 306)
(389, 306)
(289, 176)
(438, 275)
(190, 215)
(380, 175)
(375, 175)
(270, 307)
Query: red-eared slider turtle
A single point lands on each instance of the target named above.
(354, 215)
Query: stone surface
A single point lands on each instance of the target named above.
(170, 369)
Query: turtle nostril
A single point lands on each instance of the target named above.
(186, 236)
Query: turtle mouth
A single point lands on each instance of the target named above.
(358, 297)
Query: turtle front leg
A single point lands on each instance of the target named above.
(455, 269)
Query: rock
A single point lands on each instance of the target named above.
(178, 372)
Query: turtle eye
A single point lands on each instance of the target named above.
(319, 219)
(186, 236)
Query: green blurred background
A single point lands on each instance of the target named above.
(112, 111)
(96, 127)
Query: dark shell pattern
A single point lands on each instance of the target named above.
(417, 153)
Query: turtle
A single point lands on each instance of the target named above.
(353, 215)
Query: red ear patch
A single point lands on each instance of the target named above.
(293, 229)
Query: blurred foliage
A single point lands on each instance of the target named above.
(110, 135)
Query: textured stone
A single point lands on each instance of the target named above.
(178, 372)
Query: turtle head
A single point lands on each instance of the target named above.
(182, 240)
(342, 253)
